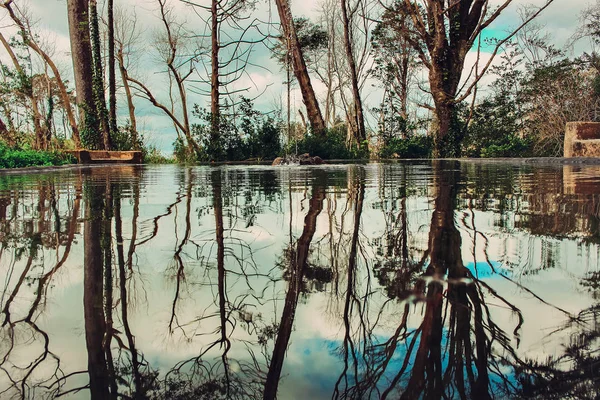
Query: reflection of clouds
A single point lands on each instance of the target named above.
(312, 364)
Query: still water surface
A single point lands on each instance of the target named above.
(417, 280)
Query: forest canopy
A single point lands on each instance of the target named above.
(228, 80)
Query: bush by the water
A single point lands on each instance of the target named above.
(331, 146)
(417, 146)
(248, 134)
(20, 158)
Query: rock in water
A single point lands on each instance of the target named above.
(303, 159)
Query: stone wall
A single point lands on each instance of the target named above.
(582, 139)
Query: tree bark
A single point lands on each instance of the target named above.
(93, 301)
(214, 78)
(98, 78)
(81, 52)
(297, 267)
(112, 83)
(359, 121)
(129, 96)
(300, 71)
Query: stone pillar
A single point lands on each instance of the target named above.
(582, 139)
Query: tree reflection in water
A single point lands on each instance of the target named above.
(455, 346)
(410, 317)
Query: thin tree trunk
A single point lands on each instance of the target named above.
(359, 120)
(214, 78)
(297, 267)
(129, 96)
(185, 126)
(300, 71)
(112, 83)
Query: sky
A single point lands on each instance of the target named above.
(265, 80)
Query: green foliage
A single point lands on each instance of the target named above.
(247, 134)
(417, 146)
(153, 156)
(125, 139)
(511, 146)
(494, 127)
(331, 146)
(90, 136)
(20, 158)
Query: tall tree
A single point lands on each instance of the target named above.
(233, 35)
(358, 120)
(171, 45)
(298, 263)
(98, 77)
(308, 94)
(395, 65)
(126, 36)
(112, 83)
(442, 33)
(81, 52)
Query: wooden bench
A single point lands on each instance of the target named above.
(106, 157)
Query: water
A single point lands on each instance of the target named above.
(415, 280)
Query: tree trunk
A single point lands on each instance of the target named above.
(93, 302)
(300, 71)
(446, 140)
(112, 84)
(81, 52)
(129, 96)
(297, 267)
(214, 78)
(98, 78)
(359, 125)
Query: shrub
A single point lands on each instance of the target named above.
(418, 146)
(20, 158)
(153, 156)
(330, 146)
(513, 146)
(245, 135)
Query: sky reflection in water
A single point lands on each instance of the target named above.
(415, 280)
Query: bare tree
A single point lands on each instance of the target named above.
(112, 83)
(230, 43)
(442, 33)
(308, 94)
(23, 22)
(358, 120)
(171, 45)
(127, 34)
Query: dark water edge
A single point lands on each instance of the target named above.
(421, 279)
(531, 160)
